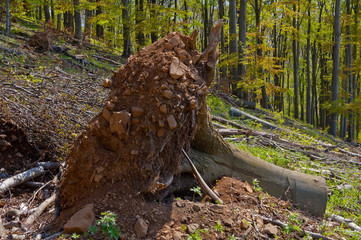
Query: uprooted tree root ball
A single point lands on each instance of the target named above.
(149, 116)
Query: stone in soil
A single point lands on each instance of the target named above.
(81, 220)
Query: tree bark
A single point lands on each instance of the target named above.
(77, 18)
(336, 66)
(308, 69)
(127, 45)
(233, 41)
(46, 11)
(7, 27)
(242, 25)
(99, 28)
(295, 49)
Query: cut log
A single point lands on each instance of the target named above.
(238, 113)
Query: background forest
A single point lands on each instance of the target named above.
(301, 58)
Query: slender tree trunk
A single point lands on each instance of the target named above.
(233, 49)
(46, 11)
(295, 49)
(77, 18)
(308, 69)
(127, 46)
(223, 51)
(139, 8)
(242, 49)
(40, 12)
(206, 24)
(7, 24)
(58, 21)
(99, 29)
(87, 23)
(336, 66)
(52, 12)
(154, 31)
(351, 130)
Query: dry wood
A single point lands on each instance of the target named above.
(238, 113)
(2, 230)
(39, 210)
(107, 59)
(225, 121)
(21, 178)
(348, 222)
(201, 182)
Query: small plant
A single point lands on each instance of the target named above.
(255, 182)
(218, 227)
(195, 236)
(196, 190)
(107, 224)
(75, 236)
(232, 237)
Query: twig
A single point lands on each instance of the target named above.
(201, 182)
(40, 209)
(348, 222)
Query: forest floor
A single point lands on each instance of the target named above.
(47, 98)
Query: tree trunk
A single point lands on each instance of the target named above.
(99, 29)
(77, 18)
(336, 67)
(46, 11)
(139, 12)
(58, 22)
(308, 69)
(295, 49)
(233, 42)
(351, 129)
(133, 142)
(127, 45)
(242, 25)
(223, 71)
(7, 24)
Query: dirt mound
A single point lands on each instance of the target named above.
(40, 41)
(149, 116)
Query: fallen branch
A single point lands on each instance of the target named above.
(201, 182)
(39, 210)
(348, 222)
(225, 121)
(238, 113)
(303, 232)
(107, 59)
(2, 230)
(21, 178)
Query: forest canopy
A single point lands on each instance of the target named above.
(297, 57)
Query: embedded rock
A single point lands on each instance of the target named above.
(81, 220)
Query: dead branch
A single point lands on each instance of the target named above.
(2, 230)
(39, 210)
(201, 182)
(238, 113)
(231, 123)
(21, 178)
(348, 222)
(107, 59)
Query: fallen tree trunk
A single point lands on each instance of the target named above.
(140, 142)
(216, 158)
(238, 113)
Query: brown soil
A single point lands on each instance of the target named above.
(177, 218)
(149, 117)
(40, 41)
